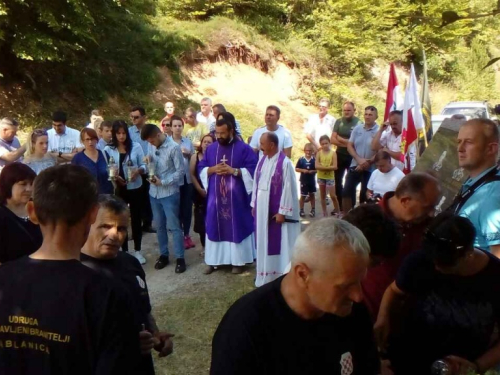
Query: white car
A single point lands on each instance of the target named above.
(469, 110)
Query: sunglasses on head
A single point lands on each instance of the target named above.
(431, 236)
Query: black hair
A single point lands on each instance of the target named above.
(228, 116)
(141, 110)
(64, 194)
(225, 121)
(379, 229)
(448, 238)
(220, 107)
(414, 184)
(149, 130)
(382, 155)
(60, 116)
(117, 125)
(396, 112)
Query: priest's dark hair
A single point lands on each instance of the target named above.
(379, 229)
(149, 130)
(112, 203)
(273, 138)
(449, 237)
(225, 121)
(64, 194)
(228, 116)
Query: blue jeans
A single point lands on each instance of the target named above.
(166, 217)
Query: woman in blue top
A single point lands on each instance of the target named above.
(94, 160)
(186, 188)
(130, 159)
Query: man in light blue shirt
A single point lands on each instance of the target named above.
(362, 166)
(477, 154)
(138, 118)
(166, 157)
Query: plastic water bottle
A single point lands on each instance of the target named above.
(441, 367)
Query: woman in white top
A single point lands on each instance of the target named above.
(385, 178)
(37, 156)
(130, 159)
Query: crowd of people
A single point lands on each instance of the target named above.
(379, 285)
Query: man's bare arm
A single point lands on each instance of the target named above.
(14, 155)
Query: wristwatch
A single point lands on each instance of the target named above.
(236, 172)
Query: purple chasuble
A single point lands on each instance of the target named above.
(229, 214)
(275, 191)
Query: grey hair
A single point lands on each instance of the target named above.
(206, 99)
(326, 237)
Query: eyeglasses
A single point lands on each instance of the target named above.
(135, 117)
(431, 236)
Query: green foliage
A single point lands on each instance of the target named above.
(472, 81)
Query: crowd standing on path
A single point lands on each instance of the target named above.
(328, 297)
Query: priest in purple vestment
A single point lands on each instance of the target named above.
(226, 172)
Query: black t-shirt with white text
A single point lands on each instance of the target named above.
(60, 317)
(260, 334)
(448, 314)
(310, 164)
(126, 271)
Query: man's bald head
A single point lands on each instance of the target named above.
(269, 144)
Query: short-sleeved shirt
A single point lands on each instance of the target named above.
(65, 142)
(343, 128)
(126, 271)
(284, 138)
(361, 138)
(325, 160)
(209, 121)
(7, 147)
(453, 315)
(310, 165)
(393, 143)
(380, 183)
(60, 317)
(317, 127)
(260, 334)
(483, 210)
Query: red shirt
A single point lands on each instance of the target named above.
(378, 278)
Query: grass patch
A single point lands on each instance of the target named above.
(193, 316)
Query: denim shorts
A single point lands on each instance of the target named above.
(322, 181)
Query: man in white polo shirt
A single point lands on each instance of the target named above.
(319, 124)
(10, 147)
(206, 116)
(64, 142)
(284, 136)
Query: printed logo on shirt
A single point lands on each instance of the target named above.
(142, 284)
(346, 366)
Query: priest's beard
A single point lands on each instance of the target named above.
(224, 141)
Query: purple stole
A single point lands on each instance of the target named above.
(275, 191)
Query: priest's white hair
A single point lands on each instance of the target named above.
(327, 237)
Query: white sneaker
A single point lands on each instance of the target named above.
(139, 257)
